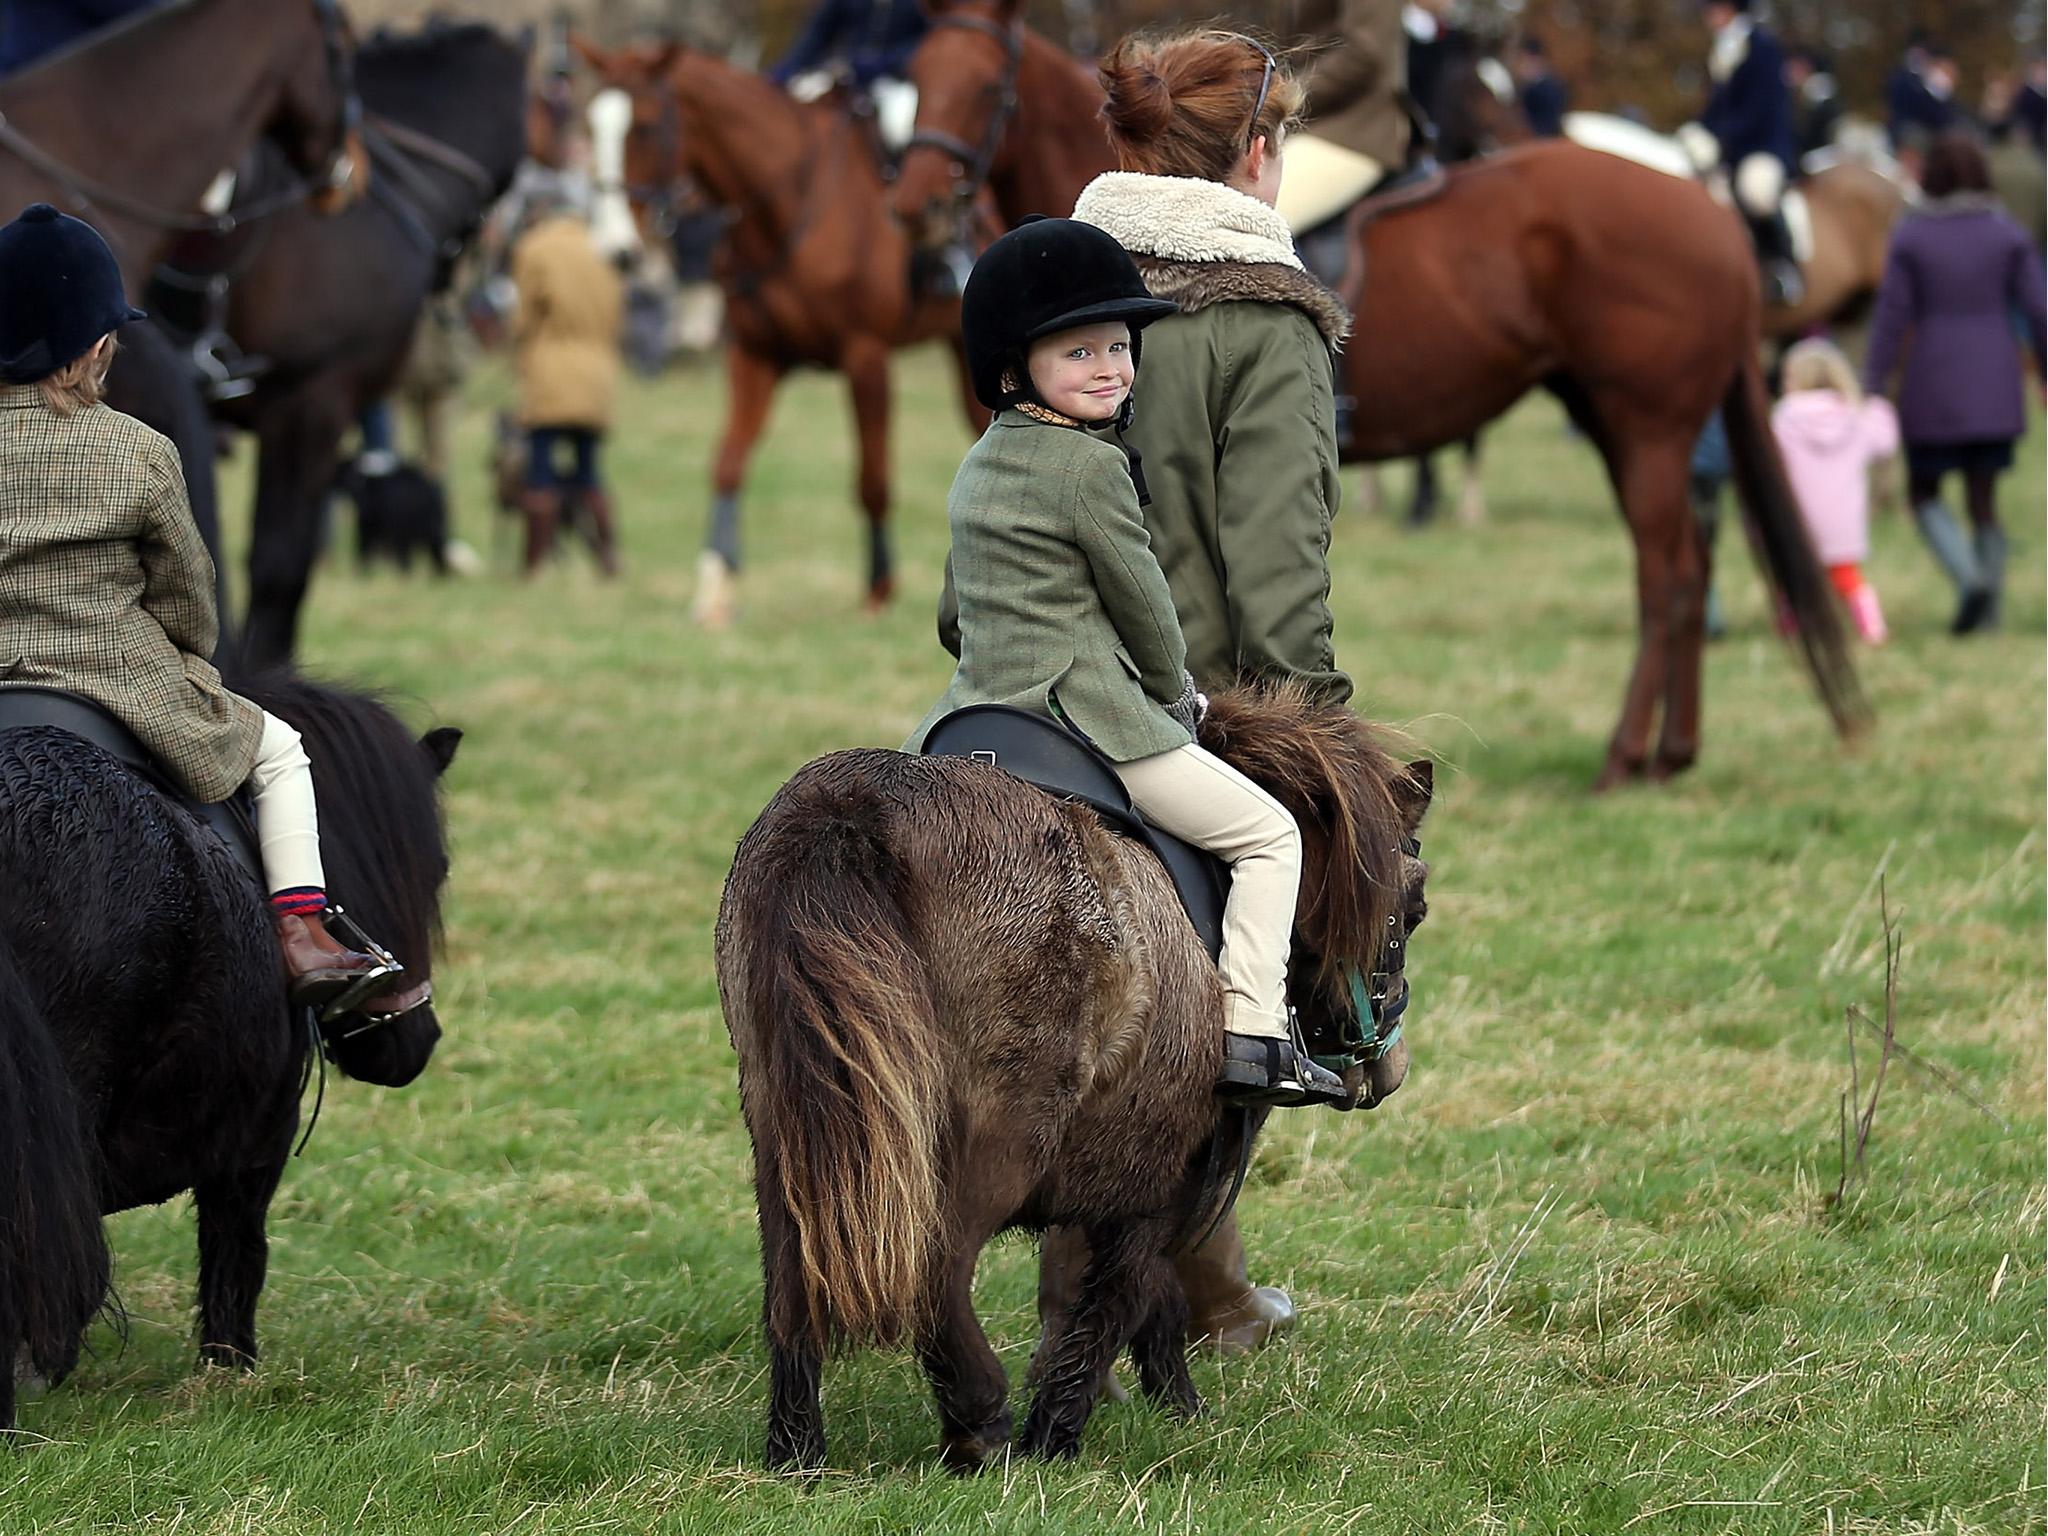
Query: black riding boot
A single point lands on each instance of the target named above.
(1783, 284)
(1261, 1069)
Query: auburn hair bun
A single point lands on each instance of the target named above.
(1182, 104)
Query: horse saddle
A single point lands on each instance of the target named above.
(1326, 250)
(232, 820)
(1045, 753)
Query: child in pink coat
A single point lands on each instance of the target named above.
(1830, 435)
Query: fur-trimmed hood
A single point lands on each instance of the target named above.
(1201, 243)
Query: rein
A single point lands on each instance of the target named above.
(403, 157)
(971, 162)
(87, 191)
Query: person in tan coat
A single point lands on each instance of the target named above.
(565, 337)
(107, 593)
(1358, 127)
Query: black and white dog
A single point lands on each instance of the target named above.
(400, 511)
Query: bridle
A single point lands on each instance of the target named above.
(87, 191)
(971, 162)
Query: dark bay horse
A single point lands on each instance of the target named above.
(962, 1006)
(207, 78)
(331, 304)
(815, 271)
(145, 1044)
(1627, 293)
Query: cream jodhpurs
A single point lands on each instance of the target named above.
(1319, 180)
(1201, 799)
(287, 825)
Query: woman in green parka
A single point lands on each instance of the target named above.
(1063, 609)
(1238, 434)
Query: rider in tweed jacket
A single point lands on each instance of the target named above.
(106, 591)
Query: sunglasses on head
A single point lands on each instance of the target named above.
(1265, 85)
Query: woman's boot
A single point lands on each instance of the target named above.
(543, 511)
(1952, 548)
(1991, 549)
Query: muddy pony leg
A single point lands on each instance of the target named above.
(234, 1257)
(796, 1418)
(866, 361)
(1112, 1302)
(967, 1379)
(751, 381)
(1160, 1346)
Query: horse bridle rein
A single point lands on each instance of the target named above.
(87, 191)
(972, 162)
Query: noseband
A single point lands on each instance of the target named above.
(971, 162)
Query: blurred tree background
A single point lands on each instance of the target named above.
(1645, 54)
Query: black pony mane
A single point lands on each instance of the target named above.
(378, 789)
(463, 82)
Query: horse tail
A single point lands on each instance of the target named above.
(1790, 564)
(840, 1072)
(54, 1266)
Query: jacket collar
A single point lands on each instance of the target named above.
(19, 397)
(1731, 47)
(1195, 285)
(1960, 203)
(1184, 218)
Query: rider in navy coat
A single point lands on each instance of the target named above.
(29, 29)
(873, 38)
(1749, 116)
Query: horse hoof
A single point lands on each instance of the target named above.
(968, 1454)
(1261, 1315)
(712, 607)
(1616, 774)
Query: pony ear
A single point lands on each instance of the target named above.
(1413, 791)
(440, 744)
(604, 63)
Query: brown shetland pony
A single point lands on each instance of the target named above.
(1625, 292)
(963, 1006)
(815, 271)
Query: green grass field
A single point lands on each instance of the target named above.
(1577, 1277)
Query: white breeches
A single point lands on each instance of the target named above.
(1760, 185)
(1201, 799)
(287, 823)
(1319, 180)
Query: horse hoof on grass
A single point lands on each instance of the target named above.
(968, 1454)
(713, 606)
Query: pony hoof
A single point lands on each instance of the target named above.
(969, 1454)
(712, 607)
(797, 1458)
(1616, 774)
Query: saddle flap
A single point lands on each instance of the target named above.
(1044, 753)
(56, 709)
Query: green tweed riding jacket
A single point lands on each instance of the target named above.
(107, 591)
(1060, 596)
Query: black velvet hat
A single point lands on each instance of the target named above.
(1045, 275)
(60, 291)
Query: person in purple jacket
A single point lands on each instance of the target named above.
(1958, 272)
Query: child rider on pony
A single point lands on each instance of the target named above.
(1064, 610)
(107, 592)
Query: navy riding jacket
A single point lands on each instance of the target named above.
(30, 29)
(1750, 113)
(1912, 110)
(1544, 101)
(873, 38)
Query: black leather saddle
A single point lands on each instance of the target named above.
(232, 820)
(1045, 753)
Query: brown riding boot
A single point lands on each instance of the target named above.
(603, 533)
(320, 972)
(1226, 1312)
(543, 511)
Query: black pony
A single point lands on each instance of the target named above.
(329, 303)
(145, 1044)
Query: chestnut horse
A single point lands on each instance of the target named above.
(815, 271)
(963, 1006)
(1628, 294)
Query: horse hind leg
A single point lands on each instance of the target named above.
(751, 382)
(796, 1416)
(967, 1379)
(234, 1259)
(866, 362)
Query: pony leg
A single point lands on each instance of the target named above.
(1472, 495)
(1160, 1346)
(866, 361)
(967, 1379)
(1635, 473)
(796, 1418)
(1112, 1302)
(751, 381)
(1685, 619)
(234, 1257)
(1422, 506)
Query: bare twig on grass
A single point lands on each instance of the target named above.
(1854, 1169)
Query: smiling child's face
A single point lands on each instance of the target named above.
(1084, 373)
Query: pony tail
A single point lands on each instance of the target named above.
(54, 1266)
(840, 1076)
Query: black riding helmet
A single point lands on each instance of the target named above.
(60, 291)
(1045, 275)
